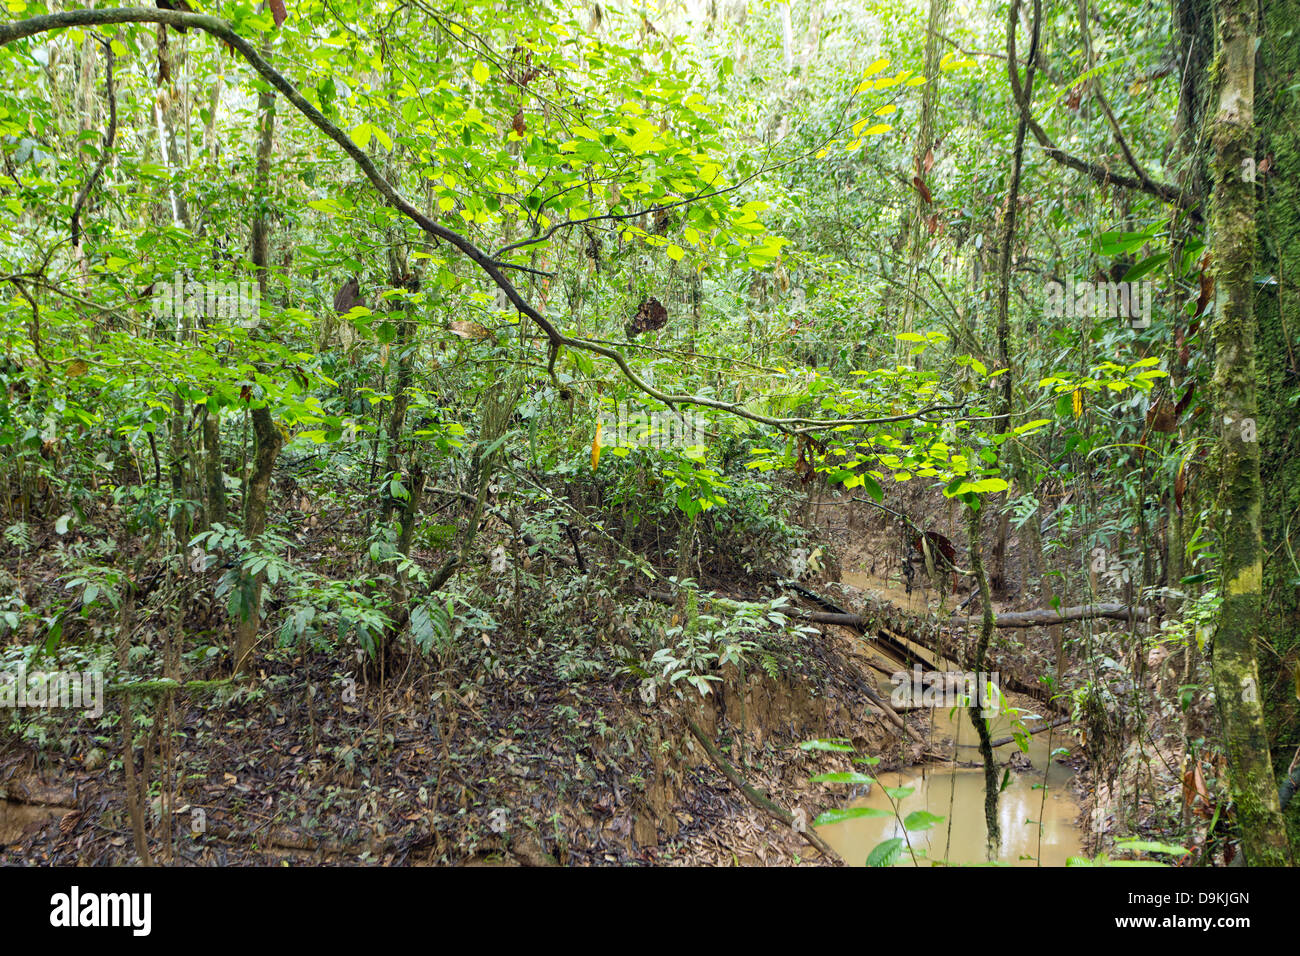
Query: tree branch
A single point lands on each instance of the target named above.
(1163, 191)
(222, 30)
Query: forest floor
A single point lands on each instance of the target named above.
(540, 758)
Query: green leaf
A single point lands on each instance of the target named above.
(982, 487)
(920, 820)
(835, 744)
(852, 813)
(886, 853)
(1147, 265)
(52, 638)
(843, 776)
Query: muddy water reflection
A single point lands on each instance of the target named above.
(957, 795)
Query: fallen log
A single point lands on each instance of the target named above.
(834, 614)
(1003, 741)
(1039, 617)
(886, 625)
(1045, 617)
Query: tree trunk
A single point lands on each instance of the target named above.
(214, 477)
(1278, 374)
(922, 156)
(1234, 664)
(266, 434)
(977, 666)
(998, 579)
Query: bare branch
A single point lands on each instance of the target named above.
(1163, 191)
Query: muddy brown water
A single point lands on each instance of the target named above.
(1036, 812)
(957, 795)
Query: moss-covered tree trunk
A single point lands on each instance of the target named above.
(1277, 313)
(1235, 668)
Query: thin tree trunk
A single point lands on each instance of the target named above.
(922, 157)
(266, 434)
(976, 708)
(214, 478)
(1003, 405)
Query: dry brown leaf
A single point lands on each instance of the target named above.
(469, 330)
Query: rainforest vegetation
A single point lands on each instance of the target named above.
(656, 432)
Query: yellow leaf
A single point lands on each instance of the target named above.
(1078, 402)
(675, 252)
(876, 67)
(481, 73)
(595, 447)
(877, 129)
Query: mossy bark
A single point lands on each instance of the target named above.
(1234, 664)
(1278, 376)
